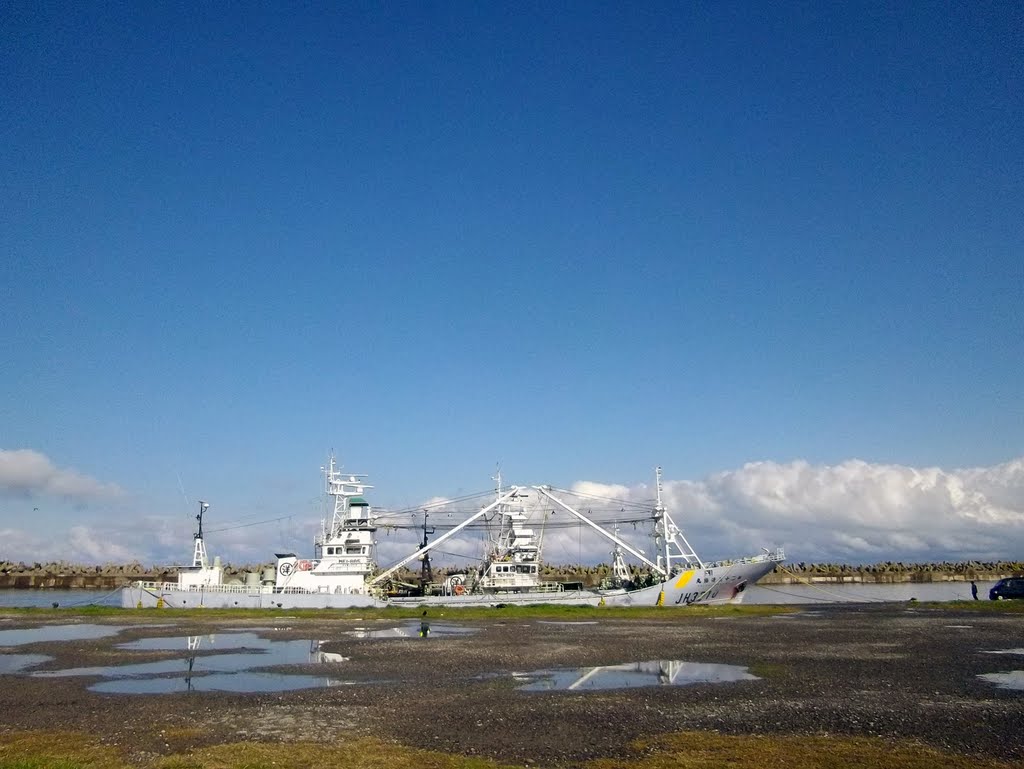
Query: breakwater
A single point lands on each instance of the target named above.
(68, 576)
(46, 581)
(892, 572)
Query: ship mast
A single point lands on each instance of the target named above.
(344, 490)
(674, 544)
(661, 512)
(620, 572)
(199, 554)
(426, 571)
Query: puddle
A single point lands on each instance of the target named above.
(959, 627)
(1013, 679)
(632, 675)
(16, 663)
(234, 666)
(411, 630)
(1005, 651)
(56, 633)
(211, 642)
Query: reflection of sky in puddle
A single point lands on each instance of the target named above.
(410, 630)
(1013, 679)
(631, 675)
(1005, 651)
(15, 663)
(56, 633)
(235, 671)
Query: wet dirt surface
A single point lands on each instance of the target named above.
(878, 670)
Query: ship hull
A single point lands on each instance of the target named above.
(716, 584)
(148, 595)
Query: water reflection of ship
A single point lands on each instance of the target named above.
(193, 647)
(316, 656)
(632, 675)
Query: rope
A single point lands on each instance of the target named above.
(845, 599)
(93, 601)
(794, 595)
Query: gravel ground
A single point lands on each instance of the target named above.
(894, 671)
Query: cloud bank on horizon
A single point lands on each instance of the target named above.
(853, 512)
(858, 512)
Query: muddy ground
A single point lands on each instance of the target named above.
(895, 671)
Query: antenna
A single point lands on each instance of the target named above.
(199, 555)
(426, 571)
(203, 507)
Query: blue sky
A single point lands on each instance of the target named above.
(578, 239)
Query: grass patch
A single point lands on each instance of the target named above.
(686, 750)
(48, 750)
(56, 750)
(984, 607)
(702, 750)
(362, 753)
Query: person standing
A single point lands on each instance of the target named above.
(974, 590)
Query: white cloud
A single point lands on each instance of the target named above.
(24, 471)
(859, 511)
(81, 545)
(86, 545)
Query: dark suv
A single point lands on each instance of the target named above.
(1011, 587)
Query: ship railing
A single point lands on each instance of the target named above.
(777, 555)
(160, 587)
(511, 584)
(325, 589)
(167, 587)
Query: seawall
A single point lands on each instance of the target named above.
(76, 581)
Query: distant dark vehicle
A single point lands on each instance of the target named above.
(1011, 587)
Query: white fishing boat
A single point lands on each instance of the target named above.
(343, 573)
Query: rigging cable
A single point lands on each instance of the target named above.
(864, 599)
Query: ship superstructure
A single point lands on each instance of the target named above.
(343, 551)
